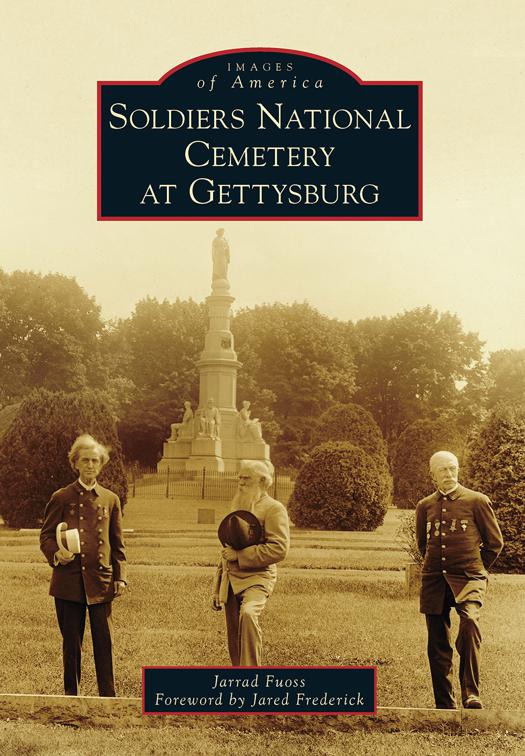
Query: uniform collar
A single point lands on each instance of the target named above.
(452, 495)
(82, 489)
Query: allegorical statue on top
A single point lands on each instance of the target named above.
(220, 250)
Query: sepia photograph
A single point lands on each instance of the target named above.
(262, 378)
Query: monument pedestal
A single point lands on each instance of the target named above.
(252, 450)
(174, 454)
(206, 452)
(233, 451)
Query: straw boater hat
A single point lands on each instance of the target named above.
(240, 529)
(68, 541)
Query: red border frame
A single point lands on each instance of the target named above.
(282, 50)
(259, 713)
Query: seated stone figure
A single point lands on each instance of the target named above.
(184, 429)
(209, 421)
(247, 429)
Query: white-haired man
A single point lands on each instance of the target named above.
(459, 538)
(246, 577)
(94, 577)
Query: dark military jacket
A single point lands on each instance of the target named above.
(97, 515)
(459, 538)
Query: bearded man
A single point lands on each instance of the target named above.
(246, 577)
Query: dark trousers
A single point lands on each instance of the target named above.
(468, 645)
(242, 625)
(72, 620)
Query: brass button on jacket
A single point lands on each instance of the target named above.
(103, 553)
(473, 541)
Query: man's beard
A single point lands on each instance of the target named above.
(245, 499)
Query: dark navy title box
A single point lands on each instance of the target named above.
(259, 133)
(259, 690)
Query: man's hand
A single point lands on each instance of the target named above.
(119, 587)
(229, 554)
(215, 603)
(60, 558)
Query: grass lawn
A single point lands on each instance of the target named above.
(166, 533)
(23, 739)
(325, 617)
(339, 600)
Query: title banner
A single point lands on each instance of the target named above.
(264, 134)
(259, 690)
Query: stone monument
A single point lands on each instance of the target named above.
(217, 436)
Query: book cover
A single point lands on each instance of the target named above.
(454, 250)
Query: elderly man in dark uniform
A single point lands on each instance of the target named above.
(92, 578)
(459, 538)
(246, 577)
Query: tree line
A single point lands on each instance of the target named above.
(420, 365)
(363, 404)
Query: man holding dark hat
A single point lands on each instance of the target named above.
(255, 536)
(82, 540)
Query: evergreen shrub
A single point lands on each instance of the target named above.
(354, 424)
(412, 453)
(339, 488)
(35, 447)
(496, 466)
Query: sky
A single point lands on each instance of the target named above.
(464, 257)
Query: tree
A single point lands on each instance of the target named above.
(298, 354)
(7, 415)
(339, 488)
(145, 426)
(156, 349)
(469, 408)
(409, 366)
(35, 447)
(302, 358)
(413, 450)
(496, 466)
(506, 377)
(50, 333)
(163, 341)
(352, 423)
(295, 364)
